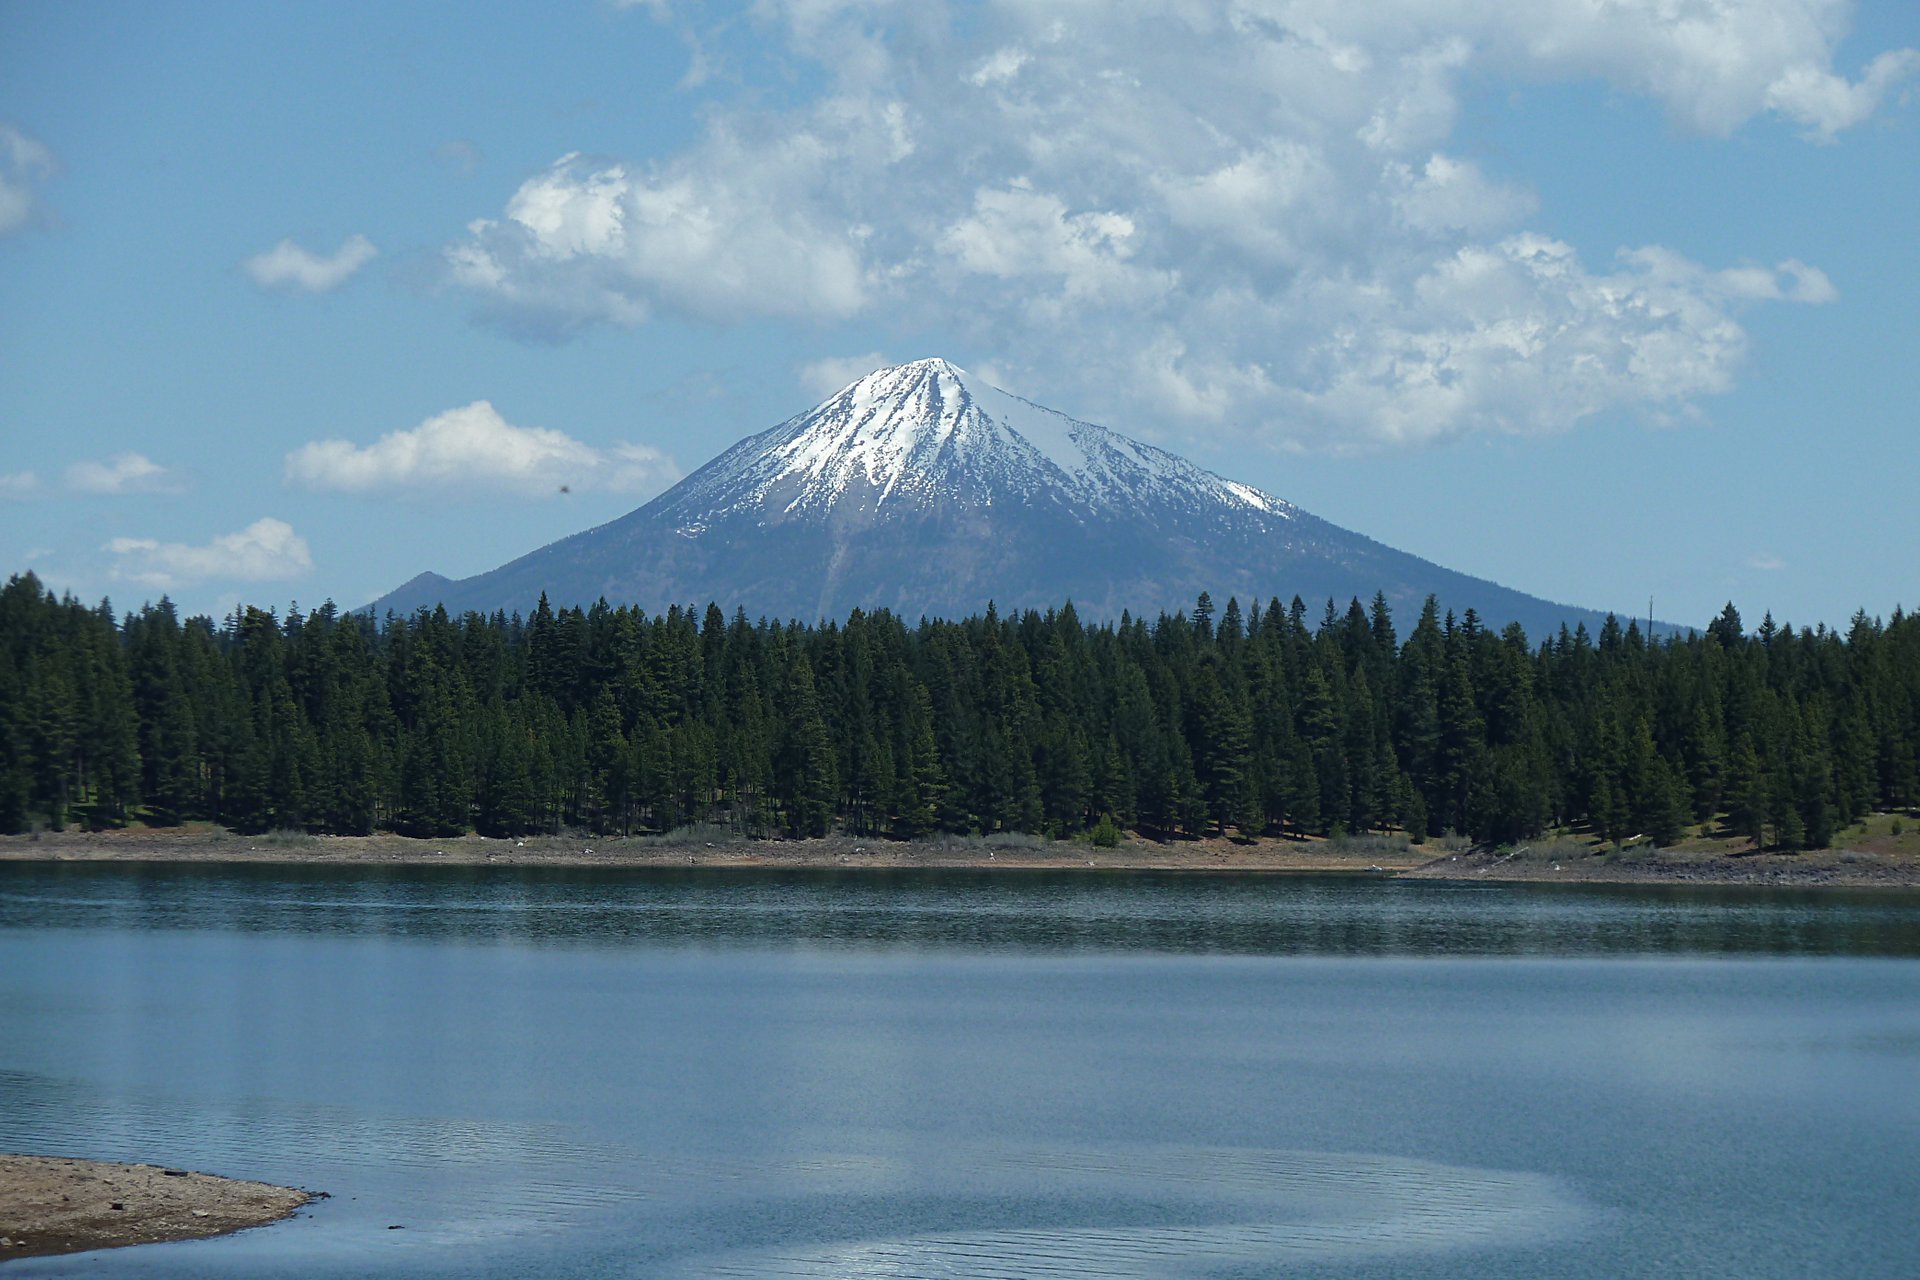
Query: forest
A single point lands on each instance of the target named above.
(1243, 721)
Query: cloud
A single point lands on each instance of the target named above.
(1242, 217)
(1000, 65)
(827, 376)
(1021, 234)
(18, 486)
(1791, 281)
(1765, 563)
(583, 244)
(25, 163)
(1445, 195)
(474, 447)
(288, 266)
(1826, 103)
(267, 550)
(461, 155)
(1713, 64)
(123, 473)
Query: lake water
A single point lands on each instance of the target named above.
(646, 1074)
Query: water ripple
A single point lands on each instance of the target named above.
(1279, 1207)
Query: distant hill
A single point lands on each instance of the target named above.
(925, 491)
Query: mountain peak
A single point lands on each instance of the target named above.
(917, 381)
(927, 435)
(924, 489)
(887, 418)
(931, 365)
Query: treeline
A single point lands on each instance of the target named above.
(1240, 721)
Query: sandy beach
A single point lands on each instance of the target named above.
(51, 1204)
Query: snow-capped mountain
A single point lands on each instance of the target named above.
(921, 434)
(926, 491)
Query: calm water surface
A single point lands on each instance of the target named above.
(647, 1074)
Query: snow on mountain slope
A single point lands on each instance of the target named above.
(923, 490)
(925, 433)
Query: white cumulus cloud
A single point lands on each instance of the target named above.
(268, 550)
(25, 163)
(122, 473)
(581, 244)
(288, 266)
(18, 486)
(474, 447)
(1240, 216)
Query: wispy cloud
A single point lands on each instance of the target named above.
(267, 550)
(1765, 562)
(288, 266)
(825, 376)
(461, 155)
(474, 447)
(123, 473)
(25, 164)
(1826, 103)
(18, 486)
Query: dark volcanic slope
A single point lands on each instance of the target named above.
(922, 492)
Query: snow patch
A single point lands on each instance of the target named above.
(1254, 498)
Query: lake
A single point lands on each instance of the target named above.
(635, 1073)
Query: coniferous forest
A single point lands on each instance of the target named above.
(1237, 720)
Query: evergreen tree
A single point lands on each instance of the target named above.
(804, 772)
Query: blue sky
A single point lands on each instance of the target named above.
(1602, 303)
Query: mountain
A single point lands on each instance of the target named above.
(925, 491)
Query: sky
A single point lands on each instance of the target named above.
(1613, 304)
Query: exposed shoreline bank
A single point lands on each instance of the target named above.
(1835, 868)
(1819, 869)
(830, 852)
(54, 1205)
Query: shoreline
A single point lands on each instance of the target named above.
(1820, 869)
(823, 853)
(1826, 868)
(52, 1205)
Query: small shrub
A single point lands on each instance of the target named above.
(1105, 834)
(1552, 848)
(1897, 827)
(1369, 843)
(693, 833)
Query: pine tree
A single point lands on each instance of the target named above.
(804, 774)
(1748, 810)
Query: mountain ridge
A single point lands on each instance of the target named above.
(925, 491)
